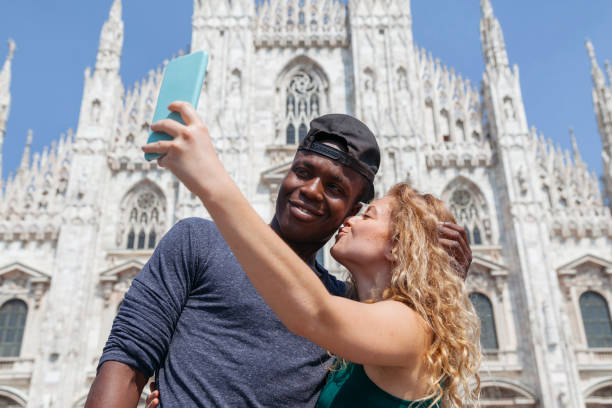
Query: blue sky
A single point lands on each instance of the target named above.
(56, 41)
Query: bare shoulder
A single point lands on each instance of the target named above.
(409, 322)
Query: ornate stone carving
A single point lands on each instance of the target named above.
(307, 23)
(118, 279)
(19, 279)
(143, 217)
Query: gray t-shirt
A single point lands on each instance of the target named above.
(193, 318)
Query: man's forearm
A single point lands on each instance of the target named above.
(117, 385)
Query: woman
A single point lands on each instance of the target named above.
(412, 339)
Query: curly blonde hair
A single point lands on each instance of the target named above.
(424, 277)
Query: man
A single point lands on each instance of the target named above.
(193, 318)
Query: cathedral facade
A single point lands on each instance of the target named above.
(79, 220)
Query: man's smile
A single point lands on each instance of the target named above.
(303, 211)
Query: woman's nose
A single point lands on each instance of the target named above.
(348, 221)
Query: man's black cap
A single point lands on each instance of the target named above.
(362, 153)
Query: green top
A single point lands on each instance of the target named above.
(351, 387)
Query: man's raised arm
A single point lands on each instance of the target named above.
(116, 385)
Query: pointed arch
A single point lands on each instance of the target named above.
(470, 208)
(143, 216)
(302, 89)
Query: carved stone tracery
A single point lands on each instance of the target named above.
(143, 217)
(18, 280)
(468, 205)
(302, 91)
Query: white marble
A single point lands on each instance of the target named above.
(72, 216)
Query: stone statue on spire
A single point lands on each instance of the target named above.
(111, 41)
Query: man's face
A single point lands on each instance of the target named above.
(315, 197)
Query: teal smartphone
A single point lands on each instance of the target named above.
(182, 81)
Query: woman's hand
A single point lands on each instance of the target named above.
(190, 155)
(153, 398)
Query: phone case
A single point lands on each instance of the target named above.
(182, 81)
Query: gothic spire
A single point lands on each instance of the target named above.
(602, 102)
(492, 38)
(111, 40)
(5, 78)
(25, 159)
(5, 97)
(576, 151)
(598, 78)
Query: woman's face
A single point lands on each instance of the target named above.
(364, 239)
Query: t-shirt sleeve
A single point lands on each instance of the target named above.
(143, 328)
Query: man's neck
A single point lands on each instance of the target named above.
(306, 251)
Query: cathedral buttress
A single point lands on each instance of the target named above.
(78, 243)
(602, 102)
(527, 235)
(385, 81)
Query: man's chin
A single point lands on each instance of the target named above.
(295, 233)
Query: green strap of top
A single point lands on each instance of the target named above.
(351, 387)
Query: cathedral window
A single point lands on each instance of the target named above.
(476, 236)
(12, 323)
(143, 220)
(484, 310)
(130, 240)
(152, 238)
(596, 319)
(141, 239)
(302, 132)
(290, 134)
(300, 112)
(468, 206)
(303, 88)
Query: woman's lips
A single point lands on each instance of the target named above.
(343, 231)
